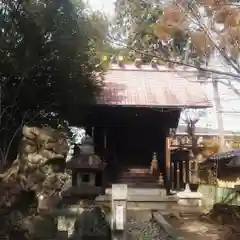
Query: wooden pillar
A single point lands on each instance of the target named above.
(178, 183)
(99, 139)
(187, 167)
(74, 177)
(105, 139)
(93, 134)
(96, 143)
(172, 174)
(105, 159)
(168, 165)
(104, 144)
(184, 172)
(89, 130)
(181, 173)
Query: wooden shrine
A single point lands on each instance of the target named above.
(183, 165)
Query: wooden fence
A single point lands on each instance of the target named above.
(215, 194)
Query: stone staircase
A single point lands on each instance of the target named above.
(144, 191)
(138, 176)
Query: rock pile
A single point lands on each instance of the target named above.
(91, 224)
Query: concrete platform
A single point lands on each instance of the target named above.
(142, 192)
(140, 198)
(143, 202)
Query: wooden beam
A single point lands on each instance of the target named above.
(186, 146)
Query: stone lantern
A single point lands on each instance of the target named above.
(87, 170)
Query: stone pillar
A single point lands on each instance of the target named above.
(119, 211)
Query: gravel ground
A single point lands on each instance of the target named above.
(93, 224)
(145, 230)
(192, 228)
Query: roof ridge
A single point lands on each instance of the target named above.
(149, 68)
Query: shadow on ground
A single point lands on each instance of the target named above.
(191, 228)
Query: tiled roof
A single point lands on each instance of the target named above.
(225, 155)
(229, 155)
(148, 86)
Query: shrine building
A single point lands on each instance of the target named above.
(138, 107)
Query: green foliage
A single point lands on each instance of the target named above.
(47, 63)
(134, 21)
(153, 28)
(100, 26)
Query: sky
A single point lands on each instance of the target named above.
(106, 6)
(230, 102)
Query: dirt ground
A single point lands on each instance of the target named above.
(194, 229)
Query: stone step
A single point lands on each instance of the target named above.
(139, 185)
(142, 198)
(141, 191)
(144, 175)
(137, 178)
(143, 202)
(139, 170)
(137, 182)
(136, 175)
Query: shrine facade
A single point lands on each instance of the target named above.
(132, 120)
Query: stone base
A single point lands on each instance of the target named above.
(188, 198)
(190, 202)
(142, 191)
(84, 191)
